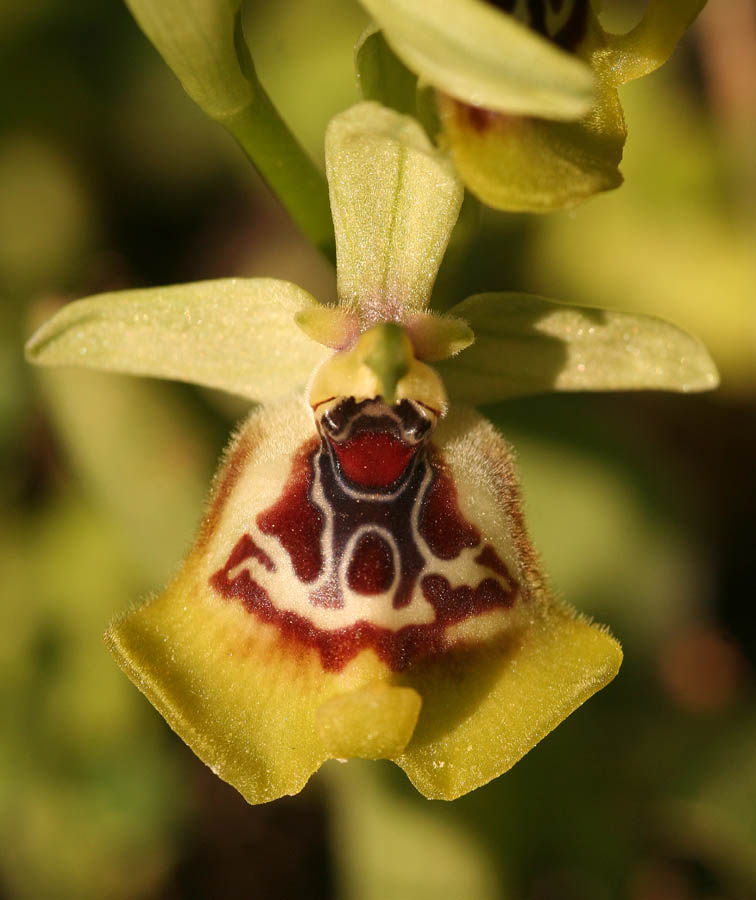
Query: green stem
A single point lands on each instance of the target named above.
(281, 160)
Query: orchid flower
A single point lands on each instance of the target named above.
(362, 584)
(526, 92)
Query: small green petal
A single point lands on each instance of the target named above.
(526, 344)
(235, 334)
(332, 326)
(196, 39)
(482, 56)
(382, 76)
(437, 337)
(394, 201)
(650, 44)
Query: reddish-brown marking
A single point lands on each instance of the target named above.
(294, 520)
(373, 458)
(397, 649)
(371, 569)
(245, 549)
(298, 524)
(252, 595)
(452, 605)
(478, 118)
(442, 525)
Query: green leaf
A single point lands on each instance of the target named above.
(382, 76)
(394, 201)
(526, 344)
(196, 39)
(479, 55)
(235, 334)
(650, 44)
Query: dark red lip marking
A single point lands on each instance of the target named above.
(371, 569)
(427, 495)
(296, 522)
(373, 458)
(397, 649)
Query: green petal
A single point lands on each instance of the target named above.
(235, 334)
(333, 326)
(196, 39)
(394, 201)
(382, 76)
(526, 344)
(436, 337)
(481, 56)
(650, 44)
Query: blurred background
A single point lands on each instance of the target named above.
(643, 506)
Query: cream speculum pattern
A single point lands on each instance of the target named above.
(368, 534)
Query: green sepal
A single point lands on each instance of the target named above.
(382, 76)
(526, 344)
(394, 200)
(475, 53)
(234, 334)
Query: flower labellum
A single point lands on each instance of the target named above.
(363, 584)
(363, 587)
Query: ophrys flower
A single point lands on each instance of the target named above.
(363, 584)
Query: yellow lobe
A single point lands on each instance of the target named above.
(372, 722)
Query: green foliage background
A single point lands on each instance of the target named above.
(644, 507)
